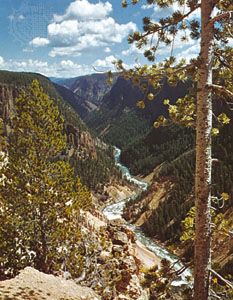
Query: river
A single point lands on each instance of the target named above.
(115, 211)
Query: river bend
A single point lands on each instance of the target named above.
(115, 211)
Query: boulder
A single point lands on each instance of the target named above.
(120, 238)
(32, 284)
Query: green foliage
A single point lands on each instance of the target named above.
(20, 80)
(180, 26)
(162, 144)
(219, 223)
(215, 34)
(165, 221)
(94, 172)
(172, 147)
(158, 281)
(188, 225)
(123, 130)
(40, 195)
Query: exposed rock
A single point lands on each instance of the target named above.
(33, 285)
(120, 238)
(118, 192)
(89, 87)
(105, 256)
(117, 249)
(113, 270)
(146, 257)
(117, 222)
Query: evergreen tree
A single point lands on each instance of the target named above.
(40, 196)
(213, 32)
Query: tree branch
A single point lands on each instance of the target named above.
(213, 294)
(227, 14)
(227, 282)
(221, 89)
(221, 60)
(162, 27)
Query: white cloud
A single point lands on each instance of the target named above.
(132, 50)
(39, 42)
(107, 50)
(67, 63)
(159, 12)
(83, 9)
(147, 6)
(71, 37)
(189, 53)
(79, 29)
(1, 61)
(230, 42)
(29, 64)
(64, 68)
(105, 63)
(21, 17)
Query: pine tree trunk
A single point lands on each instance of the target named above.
(202, 257)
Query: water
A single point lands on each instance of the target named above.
(115, 211)
(126, 173)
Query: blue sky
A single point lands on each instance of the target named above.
(67, 38)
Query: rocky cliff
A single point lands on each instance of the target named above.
(89, 91)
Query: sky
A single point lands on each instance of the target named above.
(69, 38)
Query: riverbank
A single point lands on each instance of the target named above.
(115, 211)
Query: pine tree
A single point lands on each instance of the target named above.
(195, 110)
(41, 197)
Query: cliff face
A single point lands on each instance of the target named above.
(88, 91)
(120, 121)
(81, 144)
(90, 88)
(7, 96)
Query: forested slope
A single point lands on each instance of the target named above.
(170, 153)
(85, 151)
(118, 119)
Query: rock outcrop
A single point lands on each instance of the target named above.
(33, 285)
(114, 269)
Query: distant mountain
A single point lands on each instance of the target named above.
(111, 111)
(90, 90)
(66, 82)
(120, 121)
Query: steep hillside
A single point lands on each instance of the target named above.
(119, 121)
(83, 148)
(111, 111)
(170, 152)
(73, 100)
(89, 91)
(158, 146)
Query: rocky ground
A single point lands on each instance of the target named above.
(31, 284)
(113, 269)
